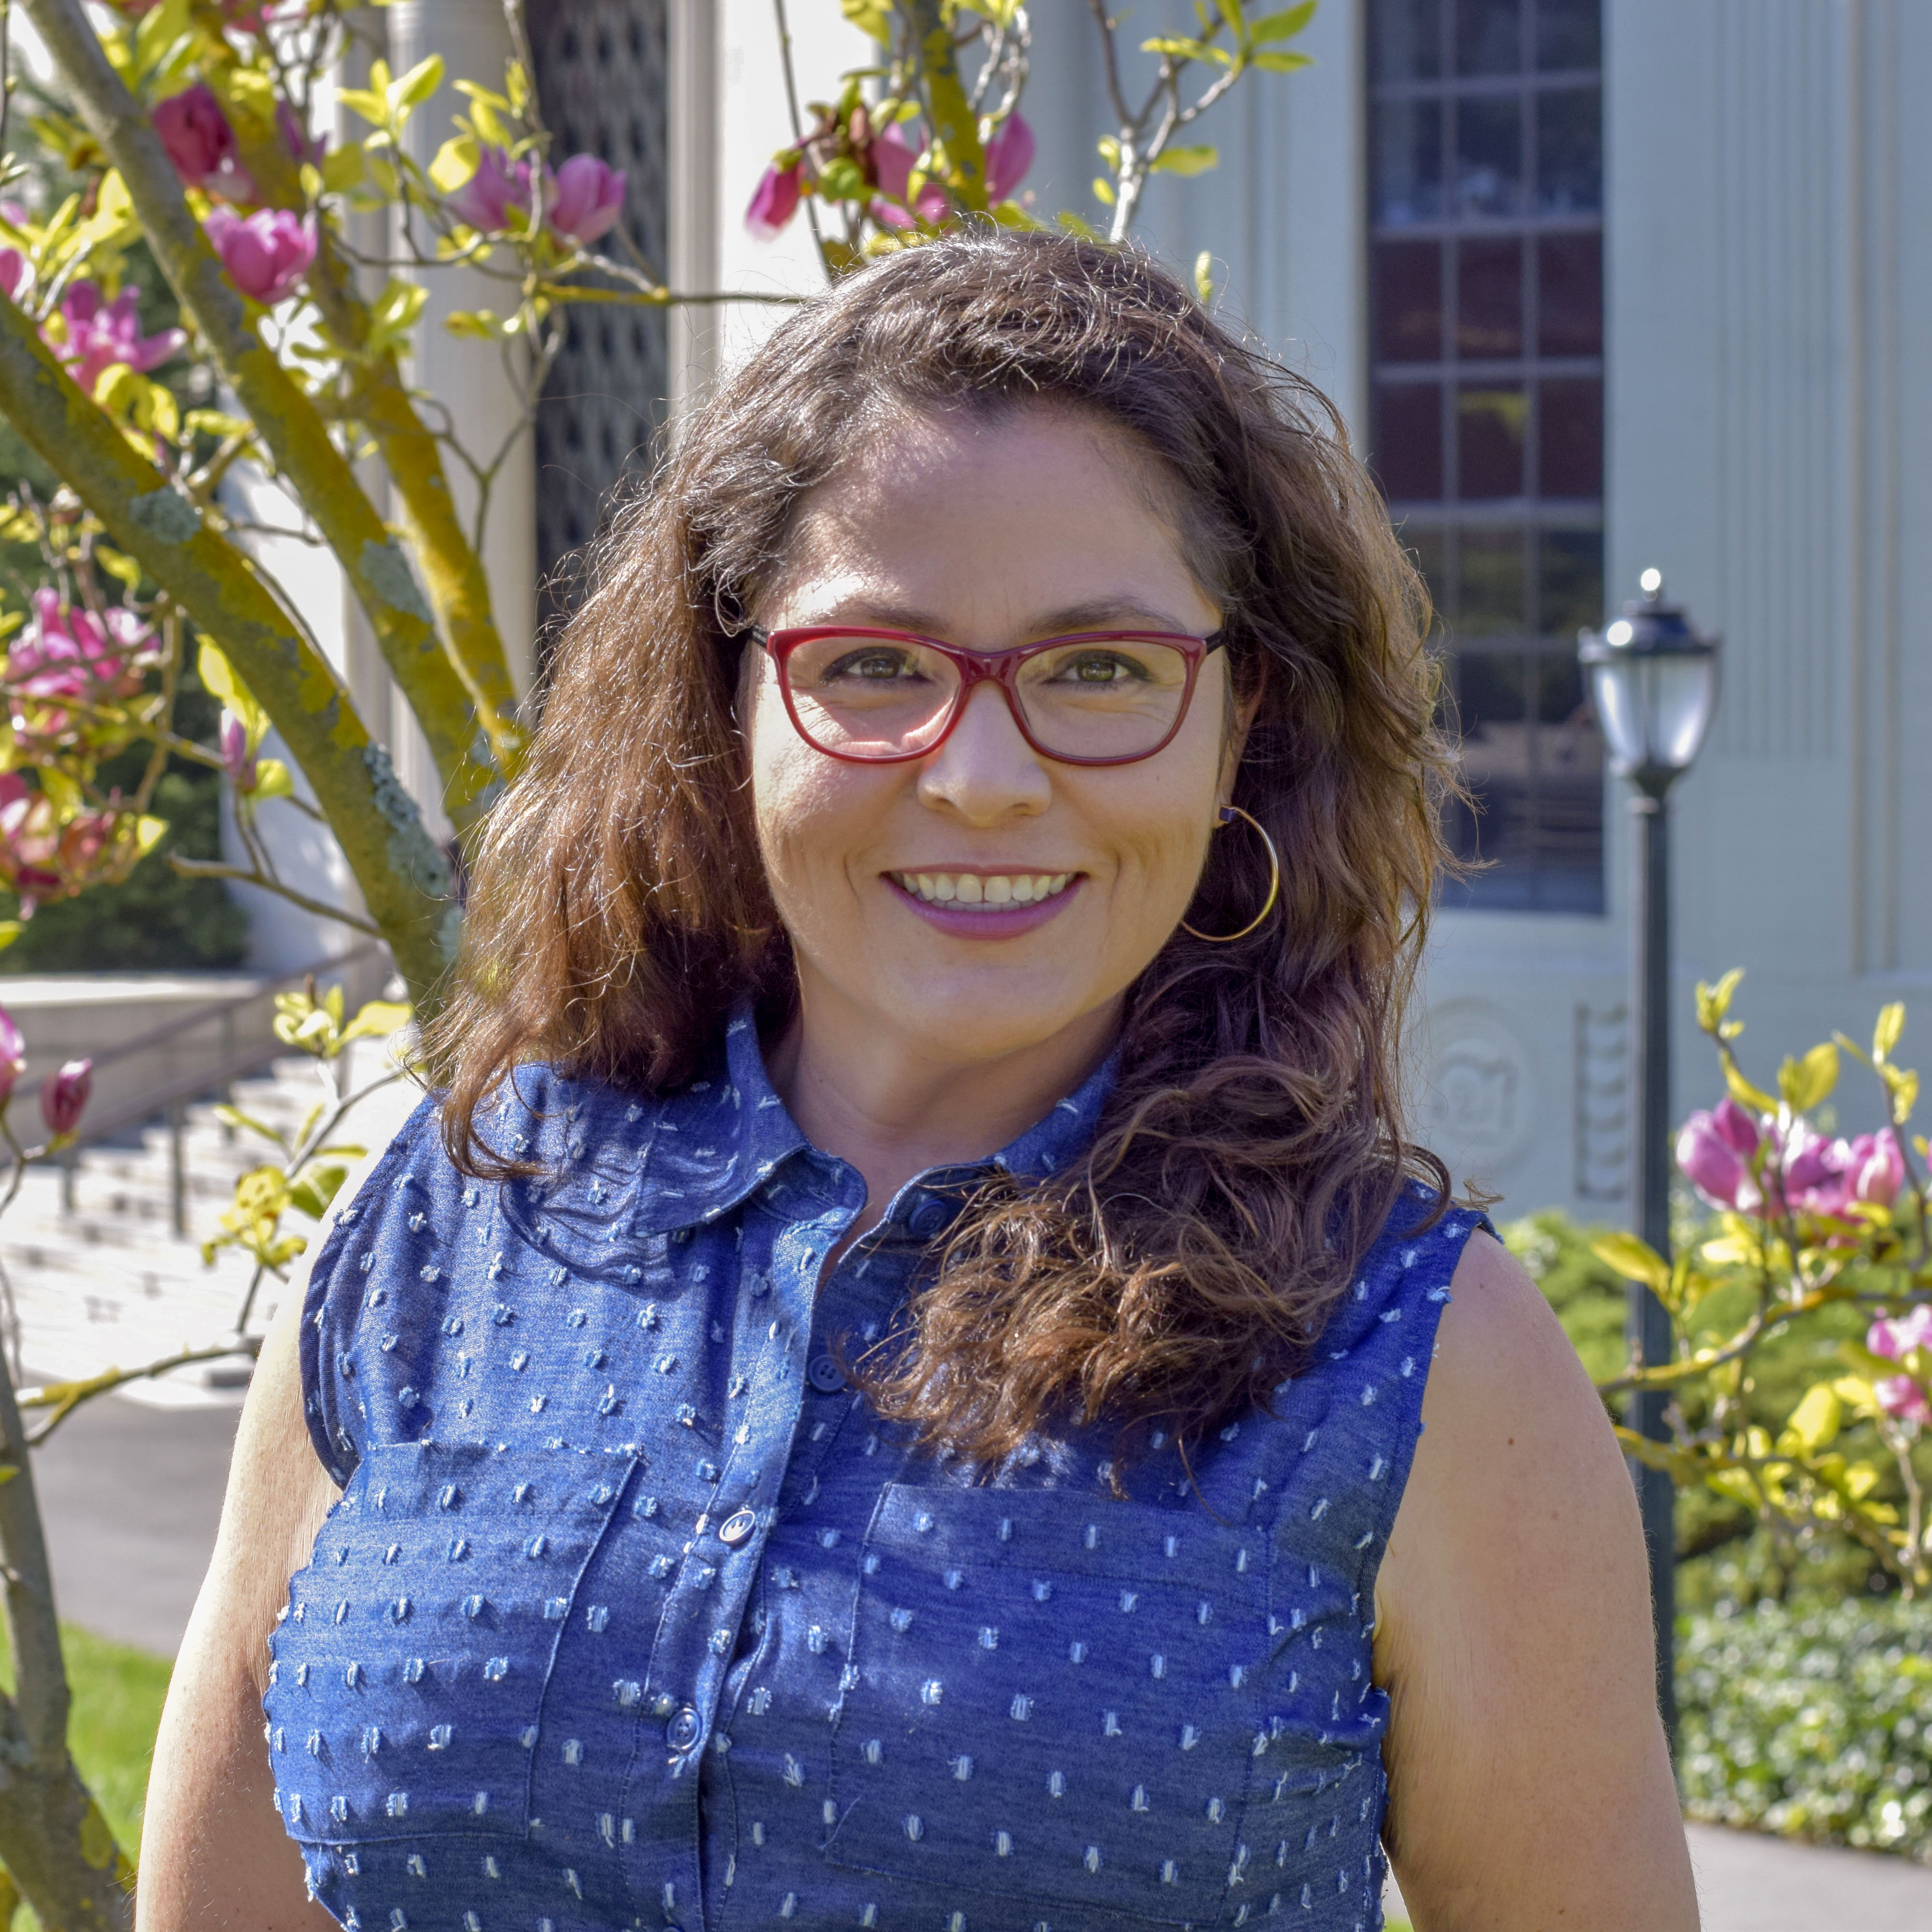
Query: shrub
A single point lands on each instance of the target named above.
(1817, 1725)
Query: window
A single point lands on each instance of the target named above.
(1485, 358)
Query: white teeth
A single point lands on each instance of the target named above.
(998, 889)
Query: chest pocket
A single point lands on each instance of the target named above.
(407, 1686)
(1053, 1699)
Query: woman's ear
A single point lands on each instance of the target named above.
(1243, 708)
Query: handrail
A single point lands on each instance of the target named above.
(101, 1123)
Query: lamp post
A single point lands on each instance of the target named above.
(1653, 681)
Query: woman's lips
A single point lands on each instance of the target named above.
(959, 919)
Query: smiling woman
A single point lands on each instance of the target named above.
(885, 1390)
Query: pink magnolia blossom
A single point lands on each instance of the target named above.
(98, 335)
(201, 143)
(12, 1055)
(1009, 154)
(484, 201)
(1714, 1150)
(892, 157)
(1900, 1395)
(296, 138)
(775, 202)
(266, 253)
(1825, 1178)
(13, 266)
(586, 199)
(64, 1096)
(235, 757)
(71, 655)
(1894, 1336)
(41, 859)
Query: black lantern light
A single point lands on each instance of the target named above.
(1653, 681)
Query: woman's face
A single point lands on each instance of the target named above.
(984, 535)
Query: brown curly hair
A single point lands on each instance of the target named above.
(1255, 1142)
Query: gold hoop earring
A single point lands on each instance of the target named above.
(1229, 813)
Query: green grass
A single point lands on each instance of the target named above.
(117, 1708)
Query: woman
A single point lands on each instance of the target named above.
(885, 1389)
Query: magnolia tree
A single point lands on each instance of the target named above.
(1815, 1233)
(186, 133)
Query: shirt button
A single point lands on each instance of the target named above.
(824, 1376)
(734, 1529)
(928, 1218)
(681, 1733)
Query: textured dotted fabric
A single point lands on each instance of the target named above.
(632, 1614)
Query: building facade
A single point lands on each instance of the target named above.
(1595, 285)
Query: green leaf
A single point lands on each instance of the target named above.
(1744, 1094)
(455, 162)
(1177, 47)
(1271, 60)
(273, 779)
(1103, 190)
(1284, 26)
(218, 678)
(393, 313)
(840, 180)
(1814, 1423)
(1890, 1025)
(10, 929)
(233, 1117)
(1187, 160)
(378, 1019)
(1635, 1260)
(411, 90)
(317, 1189)
(1072, 224)
(1204, 277)
(873, 18)
(157, 34)
(1714, 1002)
(1805, 1083)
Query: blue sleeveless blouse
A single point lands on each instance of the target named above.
(632, 1614)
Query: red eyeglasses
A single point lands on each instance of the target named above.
(1092, 697)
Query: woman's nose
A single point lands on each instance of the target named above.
(985, 770)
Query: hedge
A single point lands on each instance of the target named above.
(1816, 1724)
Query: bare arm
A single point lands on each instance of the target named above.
(1530, 1786)
(215, 1857)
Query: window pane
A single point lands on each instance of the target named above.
(1569, 151)
(1408, 162)
(1407, 35)
(1428, 551)
(1487, 37)
(1489, 156)
(1573, 438)
(1489, 299)
(1490, 422)
(1493, 712)
(1570, 295)
(1409, 301)
(1568, 34)
(1491, 584)
(1569, 755)
(1409, 441)
(1569, 589)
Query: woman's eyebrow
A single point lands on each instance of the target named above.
(1098, 614)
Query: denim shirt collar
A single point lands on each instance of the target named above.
(718, 1142)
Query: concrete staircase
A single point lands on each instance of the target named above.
(101, 1278)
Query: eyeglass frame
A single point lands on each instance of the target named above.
(978, 667)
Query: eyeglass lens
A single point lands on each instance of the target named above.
(862, 697)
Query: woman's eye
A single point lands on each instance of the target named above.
(1100, 667)
(871, 665)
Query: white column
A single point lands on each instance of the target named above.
(692, 66)
(479, 384)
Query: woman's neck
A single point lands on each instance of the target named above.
(892, 1107)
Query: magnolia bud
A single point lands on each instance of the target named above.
(64, 1096)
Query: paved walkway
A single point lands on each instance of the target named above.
(133, 1493)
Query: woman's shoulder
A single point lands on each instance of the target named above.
(1407, 1271)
